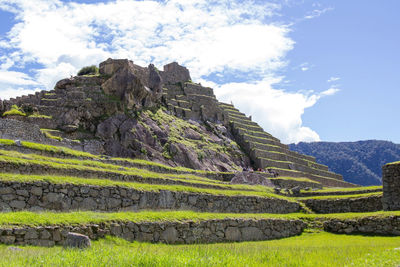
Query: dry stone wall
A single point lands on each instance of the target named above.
(389, 225)
(391, 186)
(16, 196)
(362, 204)
(118, 175)
(189, 232)
(287, 183)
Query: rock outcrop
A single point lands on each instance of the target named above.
(135, 86)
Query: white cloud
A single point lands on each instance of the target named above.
(317, 13)
(305, 66)
(277, 111)
(330, 91)
(204, 35)
(333, 79)
(205, 38)
(12, 92)
(15, 78)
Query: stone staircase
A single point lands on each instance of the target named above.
(267, 152)
(191, 101)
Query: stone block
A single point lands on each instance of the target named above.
(76, 240)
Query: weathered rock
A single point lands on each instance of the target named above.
(75, 240)
(19, 130)
(296, 190)
(175, 73)
(110, 66)
(233, 234)
(170, 235)
(252, 233)
(252, 178)
(64, 83)
(135, 86)
(8, 240)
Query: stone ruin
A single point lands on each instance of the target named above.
(78, 105)
(391, 186)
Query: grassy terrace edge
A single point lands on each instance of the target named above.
(328, 197)
(76, 153)
(10, 177)
(26, 218)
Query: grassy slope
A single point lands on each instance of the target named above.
(76, 153)
(308, 249)
(342, 196)
(82, 217)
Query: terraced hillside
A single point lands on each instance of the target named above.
(267, 152)
(130, 111)
(48, 191)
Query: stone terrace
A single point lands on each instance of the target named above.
(267, 152)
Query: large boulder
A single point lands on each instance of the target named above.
(1, 106)
(134, 86)
(75, 240)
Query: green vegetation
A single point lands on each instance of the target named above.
(37, 115)
(89, 70)
(143, 175)
(342, 196)
(300, 179)
(235, 190)
(83, 217)
(15, 110)
(76, 153)
(347, 190)
(48, 134)
(308, 250)
(176, 134)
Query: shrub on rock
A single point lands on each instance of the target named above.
(88, 70)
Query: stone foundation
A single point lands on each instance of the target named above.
(391, 186)
(189, 232)
(340, 205)
(389, 225)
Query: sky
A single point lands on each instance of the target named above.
(304, 70)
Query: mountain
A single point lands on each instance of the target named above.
(359, 162)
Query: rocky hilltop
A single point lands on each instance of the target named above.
(126, 110)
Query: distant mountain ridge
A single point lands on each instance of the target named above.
(359, 162)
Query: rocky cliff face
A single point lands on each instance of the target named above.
(163, 137)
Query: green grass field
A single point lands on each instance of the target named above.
(308, 249)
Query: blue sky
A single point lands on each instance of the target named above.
(305, 70)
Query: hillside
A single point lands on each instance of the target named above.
(359, 162)
(124, 110)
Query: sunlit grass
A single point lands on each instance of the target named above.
(83, 217)
(309, 249)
